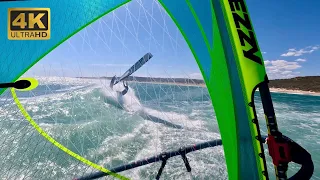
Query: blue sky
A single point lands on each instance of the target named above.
(287, 32)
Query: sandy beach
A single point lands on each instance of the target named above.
(290, 91)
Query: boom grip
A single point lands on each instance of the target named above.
(300, 156)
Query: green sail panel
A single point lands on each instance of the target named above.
(248, 70)
(230, 84)
(218, 83)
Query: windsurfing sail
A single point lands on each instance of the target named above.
(222, 40)
(115, 80)
(247, 73)
(229, 58)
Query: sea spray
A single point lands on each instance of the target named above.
(128, 102)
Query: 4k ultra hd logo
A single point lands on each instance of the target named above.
(28, 23)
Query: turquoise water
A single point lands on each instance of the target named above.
(90, 119)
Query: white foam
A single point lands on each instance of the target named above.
(129, 101)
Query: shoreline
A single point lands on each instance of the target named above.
(274, 90)
(291, 91)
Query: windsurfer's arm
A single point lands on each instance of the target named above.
(126, 88)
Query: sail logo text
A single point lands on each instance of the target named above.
(28, 23)
(238, 5)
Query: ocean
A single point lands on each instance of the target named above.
(92, 120)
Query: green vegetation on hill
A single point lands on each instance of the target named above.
(307, 83)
